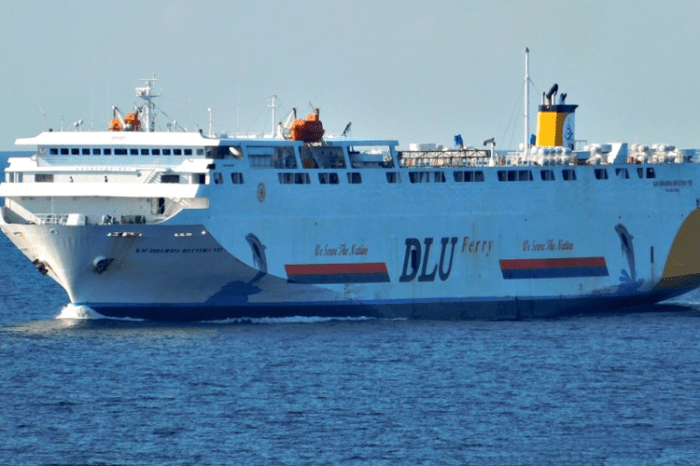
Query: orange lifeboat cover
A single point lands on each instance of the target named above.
(115, 125)
(309, 130)
(133, 120)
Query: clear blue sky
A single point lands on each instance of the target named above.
(410, 70)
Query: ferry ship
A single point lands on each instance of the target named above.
(185, 226)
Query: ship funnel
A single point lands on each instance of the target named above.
(555, 122)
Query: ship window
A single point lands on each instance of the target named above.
(133, 152)
(601, 174)
(440, 177)
(393, 177)
(75, 151)
(217, 152)
(354, 178)
(547, 175)
(218, 178)
(200, 151)
(120, 151)
(177, 151)
(43, 178)
(650, 172)
(302, 178)
(96, 151)
(322, 157)
(294, 178)
(64, 151)
(328, 178)
(272, 157)
(199, 178)
(506, 175)
(622, 173)
(524, 175)
(169, 178)
(53, 151)
(155, 151)
(188, 151)
(108, 151)
(145, 152)
(568, 174)
(166, 151)
(86, 151)
(422, 177)
(468, 176)
(515, 175)
(237, 178)
(640, 172)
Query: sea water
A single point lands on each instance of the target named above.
(615, 389)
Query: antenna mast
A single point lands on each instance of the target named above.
(527, 101)
(273, 105)
(149, 108)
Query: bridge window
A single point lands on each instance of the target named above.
(53, 151)
(119, 151)
(170, 179)
(86, 151)
(96, 151)
(64, 151)
(107, 151)
(133, 152)
(166, 152)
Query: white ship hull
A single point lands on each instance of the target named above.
(478, 253)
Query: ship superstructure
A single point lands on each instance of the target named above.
(181, 226)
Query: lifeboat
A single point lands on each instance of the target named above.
(133, 120)
(309, 130)
(115, 125)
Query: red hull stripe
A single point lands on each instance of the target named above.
(517, 264)
(337, 273)
(332, 269)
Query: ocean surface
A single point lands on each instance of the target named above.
(615, 389)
